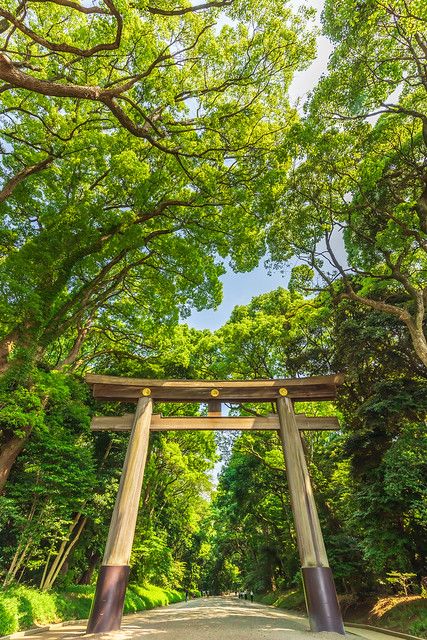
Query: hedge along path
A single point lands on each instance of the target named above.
(200, 613)
(26, 607)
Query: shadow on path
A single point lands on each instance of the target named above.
(214, 618)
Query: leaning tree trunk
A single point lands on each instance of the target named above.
(11, 448)
(13, 445)
(419, 341)
(62, 556)
(414, 322)
(9, 451)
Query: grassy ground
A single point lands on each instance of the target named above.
(292, 599)
(405, 614)
(23, 607)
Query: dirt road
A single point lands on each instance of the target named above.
(225, 618)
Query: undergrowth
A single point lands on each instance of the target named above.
(24, 607)
(292, 599)
(405, 614)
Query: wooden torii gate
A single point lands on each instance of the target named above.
(321, 600)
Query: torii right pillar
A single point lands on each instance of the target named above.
(319, 588)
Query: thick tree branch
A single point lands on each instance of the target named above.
(77, 7)
(11, 185)
(198, 7)
(64, 47)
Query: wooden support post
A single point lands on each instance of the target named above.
(107, 608)
(320, 595)
(214, 409)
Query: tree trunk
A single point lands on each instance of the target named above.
(414, 322)
(86, 577)
(17, 562)
(75, 350)
(48, 572)
(15, 180)
(419, 341)
(11, 449)
(8, 454)
(46, 567)
(62, 557)
(6, 347)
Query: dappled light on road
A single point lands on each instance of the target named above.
(214, 618)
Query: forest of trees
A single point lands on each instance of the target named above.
(145, 149)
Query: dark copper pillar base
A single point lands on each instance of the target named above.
(107, 607)
(321, 599)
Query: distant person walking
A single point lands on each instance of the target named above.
(252, 596)
(186, 595)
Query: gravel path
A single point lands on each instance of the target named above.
(219, 619)
(214, 618)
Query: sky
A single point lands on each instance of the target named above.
(240, 288)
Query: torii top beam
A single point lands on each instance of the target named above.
(112, 388)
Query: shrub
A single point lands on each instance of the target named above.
(35, 607)
(268, 598)
(9, 616)
(408, 614)
(176, 596)
(402, 582)
(23, 607)
(419, 628)
(72, 606)
(133, 601)
(150, 595)
(292, 599)
(85, 589)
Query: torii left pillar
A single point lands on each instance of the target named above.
(107, 608)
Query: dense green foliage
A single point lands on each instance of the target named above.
(140, 158)
(62, 491)
(24, 607)
(118, 209)
(408, 614)
(354, 205)
(369, 479)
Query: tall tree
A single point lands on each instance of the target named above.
(130, 170)
(368, 512)
(355, 202)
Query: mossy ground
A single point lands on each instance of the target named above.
(24, 607)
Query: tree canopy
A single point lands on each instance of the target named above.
(355, 200)
(147, 148)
